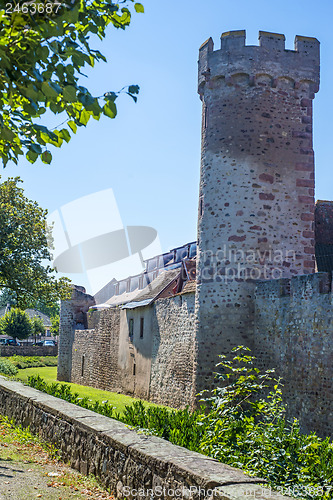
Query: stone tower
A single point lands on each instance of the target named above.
(73, 316)
(256, 205)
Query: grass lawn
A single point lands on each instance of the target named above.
(49, 374)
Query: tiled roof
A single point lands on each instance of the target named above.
(33, 313)
(189, 287)
(147, 294)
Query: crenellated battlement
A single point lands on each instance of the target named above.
(300, 66)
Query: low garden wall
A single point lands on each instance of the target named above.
(132, 465)
(10, 350)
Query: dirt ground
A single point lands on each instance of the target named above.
(28, 470)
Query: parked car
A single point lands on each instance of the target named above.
(12, 342)
(49, 343)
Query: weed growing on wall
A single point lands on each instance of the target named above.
(237, 425)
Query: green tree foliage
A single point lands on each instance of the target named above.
(50, 309)
(23, 247)
(16, 323)
(55, 321)
(44, 47)
(38, 327)
(7, 297)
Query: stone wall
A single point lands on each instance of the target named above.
(172, 351)
(155, 362)
(95, 353)
(6, 350)
(132, 465)
(294, 334)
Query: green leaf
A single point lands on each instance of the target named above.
(110, 109)
(133, 89)
(36, 148)
(46, 157)
(64, 134)
(86, 99)
(31, 156)
(110, 96)
(139, 8)
(7, 134)
(84, 117)
(72, 126)
(49, 91)
(69, 93)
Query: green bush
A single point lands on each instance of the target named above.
(22, 362)
(7, 368)
(237, 426)
(251, 432)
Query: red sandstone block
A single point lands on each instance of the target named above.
(305, 199)
(237, 238)
(256, 228)
(304, 183)
(311, 192)
(266, 196)
(307, 217)
(308, 234)
(309, 250)
(305, 167)
(266, 178)
(309, 263)
(306, 103)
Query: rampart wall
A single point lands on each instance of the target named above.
(95, 353)
(155, 364)
(8, 350)
(132, 465)
(294, 334)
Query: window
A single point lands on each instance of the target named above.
(201, 207)
(134, 368)
(82, 366)
(131, 328)
(141, 327)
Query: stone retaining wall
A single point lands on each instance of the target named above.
(9, 350)
(128, 463)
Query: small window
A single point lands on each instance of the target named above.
(131, 328)
(141, 327)
(134, 368)
(82, 366)
(201, 207)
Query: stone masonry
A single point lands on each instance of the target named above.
(256, 201)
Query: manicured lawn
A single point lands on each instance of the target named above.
(49, 374)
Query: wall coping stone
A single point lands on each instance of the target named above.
(163, 457)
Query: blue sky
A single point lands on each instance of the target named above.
(150, 154)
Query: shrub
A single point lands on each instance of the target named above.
(7, 368)
(22, 362)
